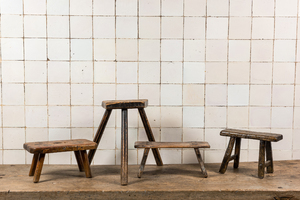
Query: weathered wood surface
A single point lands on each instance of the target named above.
(150, 136)
(270, 168)
(39, 168)
(59, 146)
(237, 152)
(79, 160)
(261, 159)
(227, 156)
(273, 137)
(99, 134)
(33, 164)
(125, 104)
(143, 162)
(124, 147)
(201, 163)
(86, 164)
(145, 144)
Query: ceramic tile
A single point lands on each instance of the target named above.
(104, 7)
(171, 72)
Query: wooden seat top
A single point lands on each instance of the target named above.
(125, 104)
(59, 146)
(143, 144)
(271, 137)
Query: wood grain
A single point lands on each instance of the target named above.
(33, 164)
(270, 168)
(237, 152)
(125, 104)
(144, 159)
(261, 159)
(199, 158)
(227, 156)
(145, 144)
(39, 168)
(86, 164)
(274, 137)
(79, 160)
(124, 147)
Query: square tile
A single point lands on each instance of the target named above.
(171, 156)
(105, 157)
(126, 50)
(263, 28)
(189, 156)
(127, 91)
(12, 72)
(126, 27)
(16, 120)
(193, 95)
(238, 95)
(239, 50)
(11, 26)
(172, 27)
(237, 117)
(213, 138)
(172, 7)
(104, 49)
(58, 49)
(194, 50)
(58, 72)
(285, 144)
(194, 7)
(171, 50)
(59, 134)
(150, 92)
(215, 95)
(193, 134)
(193, 117)
(282, 95)
(286, 8)
(171, 72)
(285, 28)
(34, 26)
(171, 134)
(260, 95)
(149, 27)
(82, 116)
(283, 73)
(58, 26)
(63, 158)
(149, 8)
(132, 119)
(238, 72)
(126, 7)
(282, 117)
(240, 27)
(263, 7)
(284, 50)
(81, 7)
(215, 117)
(193, 72)
(59, 116)
(35, 94)
(104, 72)
(194, 28)
(217, 28)
(104, 27)
(216, 50)
(36, 134)
(104, 7)
(217, 7)
(13, 156)
(262, 50)
(81, 26)
(99, 112)
(259, 117)
(12, 49)
(58, 7)
(126, 72)
(81, 49)
(36, 116)
(240, 8)
(13, 94)
(35, 49)
(13, 138)
(58, 94)
(261, 73)
(216, 72)
(108, 140)
(297, 71)
(171, 95)
(171, 117)
(81, 72)
(132, 137)
(81, 94)
(82, 133)
(149, 50)
(34, 7)
(296, 125)
(103, 92)
(149, 72)
(12, 7)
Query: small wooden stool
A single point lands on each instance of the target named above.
(39, 149)
(264, 148)
(150, 145)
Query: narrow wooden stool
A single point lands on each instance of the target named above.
(140, 104)
(149, 145)
(264, 148)
(39, 149)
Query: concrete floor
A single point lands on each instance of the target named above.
(167, 182)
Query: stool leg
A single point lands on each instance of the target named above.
(270, 168)
(144, 159)
(227, 156)
(237, 152)
(86, 164)
(79, 160)
(124, 148)
(33, 164)
(198, 154)
(39, 168)
(261, 159)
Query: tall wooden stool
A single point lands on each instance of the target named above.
(264, 148)
(140, 104)
(39, 149)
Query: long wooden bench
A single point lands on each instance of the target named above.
(150, 145)
(264, 148)
(39, 149)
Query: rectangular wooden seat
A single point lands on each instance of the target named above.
(272, 137)
(125, 104)
(150, 145)
(39, 149)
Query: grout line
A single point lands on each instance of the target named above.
(93, 60)
(272, 79)
(24, 120)
(116, 88)
(182, 76)
(204, 84)
(70, 70)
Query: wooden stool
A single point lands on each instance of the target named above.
(140, 104)
(150, 145)
(264, 148)
(39, 149)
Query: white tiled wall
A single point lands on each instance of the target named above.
(204, 65)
